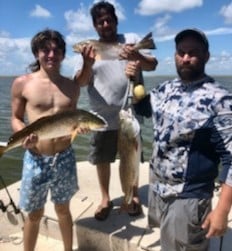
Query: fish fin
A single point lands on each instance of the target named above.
(2, 150)
(74, 134)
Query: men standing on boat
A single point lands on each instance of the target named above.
(48, 164)
(107, 82)
(192, 118)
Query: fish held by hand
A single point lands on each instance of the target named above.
(67, 123)
(111, 51)
(129, 147)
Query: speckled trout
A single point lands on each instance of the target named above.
(110, 51)
(66, 123)
(129, 147)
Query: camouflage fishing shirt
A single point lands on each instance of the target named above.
(192, 126)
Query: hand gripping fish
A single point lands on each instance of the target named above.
(111, 51)
(129, 147)
(58, 125)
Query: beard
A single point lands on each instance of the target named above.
(109, 35)
(190, 73)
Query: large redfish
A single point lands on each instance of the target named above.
(129, 148)
(66, 123)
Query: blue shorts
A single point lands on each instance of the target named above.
(42, 173)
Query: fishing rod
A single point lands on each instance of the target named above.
(16, 210)
(4, 207)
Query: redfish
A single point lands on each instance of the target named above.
(129, 148)
(58, 125)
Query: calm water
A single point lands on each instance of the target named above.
(11, 162)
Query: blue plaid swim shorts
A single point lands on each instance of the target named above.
(42, 174)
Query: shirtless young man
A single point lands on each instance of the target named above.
(51, 164)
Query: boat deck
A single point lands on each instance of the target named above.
(119, 232)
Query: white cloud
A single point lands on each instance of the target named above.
(221, 63)
(39, 11)
(219, 31)
(78, 21)
(162, 37)
(72, 60)
(79, 24)
(151, 7)
(226, 12)
(15, 55)
(4, 33)
(160, 26)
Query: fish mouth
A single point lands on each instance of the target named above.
(102, 128)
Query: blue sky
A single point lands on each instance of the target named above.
(21, 19)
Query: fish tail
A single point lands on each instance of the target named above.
(146, 43)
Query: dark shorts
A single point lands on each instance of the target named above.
(43, 173)
(103, 147)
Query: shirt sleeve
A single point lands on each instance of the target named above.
(222, 136)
